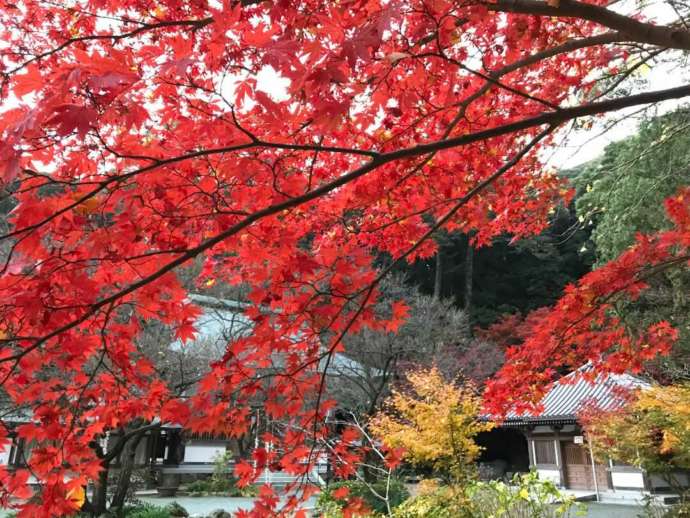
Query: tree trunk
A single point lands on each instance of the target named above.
(127, 460)
(98, 504)
(438, 278)
(469, 275)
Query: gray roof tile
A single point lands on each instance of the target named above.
(573, 393)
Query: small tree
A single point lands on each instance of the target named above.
(373, 485)
(652, 432)
(435, 422)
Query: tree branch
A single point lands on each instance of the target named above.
(550, 118)
(144, 27)
(641, 32)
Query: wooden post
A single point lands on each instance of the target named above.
(559, 454)
(594, 470)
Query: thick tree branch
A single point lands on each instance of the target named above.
(550, 118)
(641, 32)
(566, 47)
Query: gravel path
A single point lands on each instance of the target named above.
(612, 511)
(204, 505)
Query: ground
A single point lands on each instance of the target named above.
(612, 511)
(204, 505)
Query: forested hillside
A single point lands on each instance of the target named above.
(621, 195)
(617, 196)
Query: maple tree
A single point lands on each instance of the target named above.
(137, 136)
(618, 210)
(652, 432)
(434, 422)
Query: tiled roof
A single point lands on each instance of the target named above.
(573, 393)
(223, 320)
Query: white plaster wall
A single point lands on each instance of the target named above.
(5, 455)
(550, 474)
(627, 479)
(542, 429)
(203, 451)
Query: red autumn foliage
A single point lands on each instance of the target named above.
(582, 326)
(136, 138)
(511, 329)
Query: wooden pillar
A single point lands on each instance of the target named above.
(594, 470)
(559, 454)
(151, 440)
(647, 482)
(175, 452)
(526, 431)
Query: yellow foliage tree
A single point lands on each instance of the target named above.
(651, 432)
(434, 422)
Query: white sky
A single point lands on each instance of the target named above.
(575, 147)
(578, 147)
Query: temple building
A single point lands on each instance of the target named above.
(553, 443)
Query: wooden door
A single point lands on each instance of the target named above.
(578, 469)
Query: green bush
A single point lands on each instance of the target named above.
(247, 491)
(211, 485)
(526, 497)
(221, 481)
(330, 507)
(444, 502)
(176, 510)
(653, 508)
(678, 511)
(146, 510)
(198, 487)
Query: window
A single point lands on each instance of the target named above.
(544, 452)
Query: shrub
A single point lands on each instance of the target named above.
(653, 508)
(329, 506)
(146, 510)
(435, 422)
(198, 487)
(442, 502)
(176, 510)
(221, 481)
(526, 497)
(678, 511)
(247, 491)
